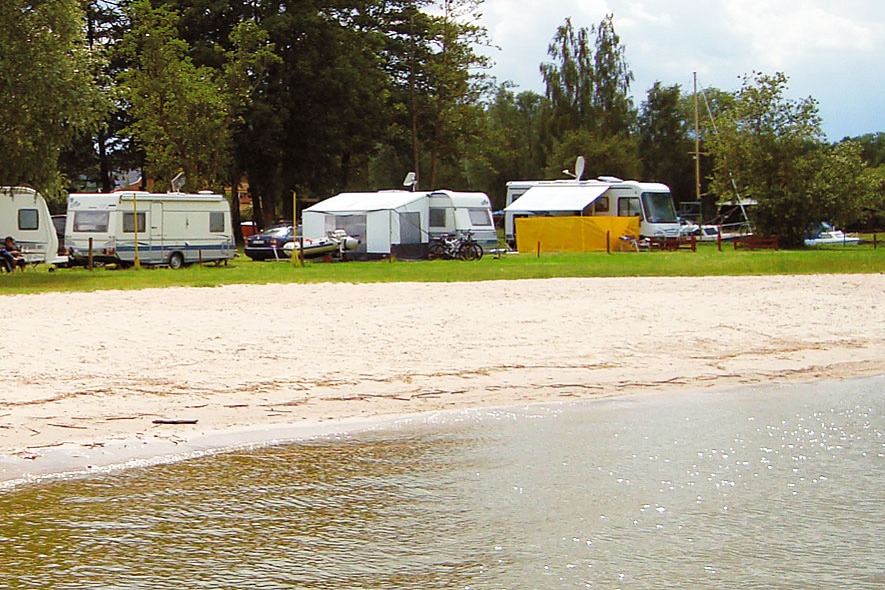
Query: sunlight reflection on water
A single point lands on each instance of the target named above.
(746, 489)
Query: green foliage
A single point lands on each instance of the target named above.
(611, 155)
(666, 141)
(771, 148)
(588, 101)
(843, 188)
(46, 89)
(512, 144)
(570, 79)
(181, 112)
(707, 261)
(872, 148)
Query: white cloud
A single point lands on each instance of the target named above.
(830, 50)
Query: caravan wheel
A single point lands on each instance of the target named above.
(176, 260)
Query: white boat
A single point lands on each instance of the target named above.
(714, 232)
(335, 243)
(825, 233)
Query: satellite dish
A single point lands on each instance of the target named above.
(579, 167)
(177, 182)
(411, 180)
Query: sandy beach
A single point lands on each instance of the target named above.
(97, 379)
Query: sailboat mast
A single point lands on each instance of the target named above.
(697, 142)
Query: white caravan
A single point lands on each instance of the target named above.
(455, 212)
(172, 229)
(607, 195)
(25, 217)
(400, 222)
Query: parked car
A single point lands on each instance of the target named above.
(268, 244)
(60, 221)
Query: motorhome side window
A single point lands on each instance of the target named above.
(600, 205)
(216, 221)
(628, 207)
(28, 219)
(480, 217)
(129, 223)
(437, 217)
(91, 221)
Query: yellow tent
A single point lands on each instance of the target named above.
(573, 234)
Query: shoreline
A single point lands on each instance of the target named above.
(88, 373)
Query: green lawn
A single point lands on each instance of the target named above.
(707, 261)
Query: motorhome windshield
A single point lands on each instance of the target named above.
(659, 208)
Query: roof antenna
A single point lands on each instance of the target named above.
(177, 182)
(411, 181)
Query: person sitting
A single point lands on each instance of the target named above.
(12, 255)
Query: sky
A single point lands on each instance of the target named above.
(831, 50)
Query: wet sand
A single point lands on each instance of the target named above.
(106, 378)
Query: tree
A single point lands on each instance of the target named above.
(510, 147)
(611, 155)
(46, 89)
(587, 89)
(438, 82)
(181, 115)
(612, 104)
(844, 188)
(872, 148)
(772, 149)
(666, 141)
(570, 79)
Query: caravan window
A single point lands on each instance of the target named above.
(628, 207)
(129, 223)
(480, 217)
(91, 221)
(216, 221)
(28, 219)
(437, 217)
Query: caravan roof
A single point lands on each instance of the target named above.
(379, 201)
(463, 199)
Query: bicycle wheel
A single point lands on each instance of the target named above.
(436, 251)
(479, 251)
(467, 252)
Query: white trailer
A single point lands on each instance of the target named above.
(607, 195)
(24, 216)
(400, 222)
(171, 229)
(453, 212)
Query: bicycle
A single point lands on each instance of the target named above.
(470, 249)
(448, 247)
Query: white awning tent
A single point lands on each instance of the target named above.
(559, 199)
(366, 202)
(381, 221)
(399, 222)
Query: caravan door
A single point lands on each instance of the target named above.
(155, 232)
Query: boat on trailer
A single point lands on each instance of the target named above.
(336, 243)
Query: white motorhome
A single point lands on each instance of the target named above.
(172, 229)
(24, 215)
(607, 195)
(401, 222)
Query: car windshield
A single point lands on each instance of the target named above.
(277, 230)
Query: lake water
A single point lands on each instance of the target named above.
(757, 488)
